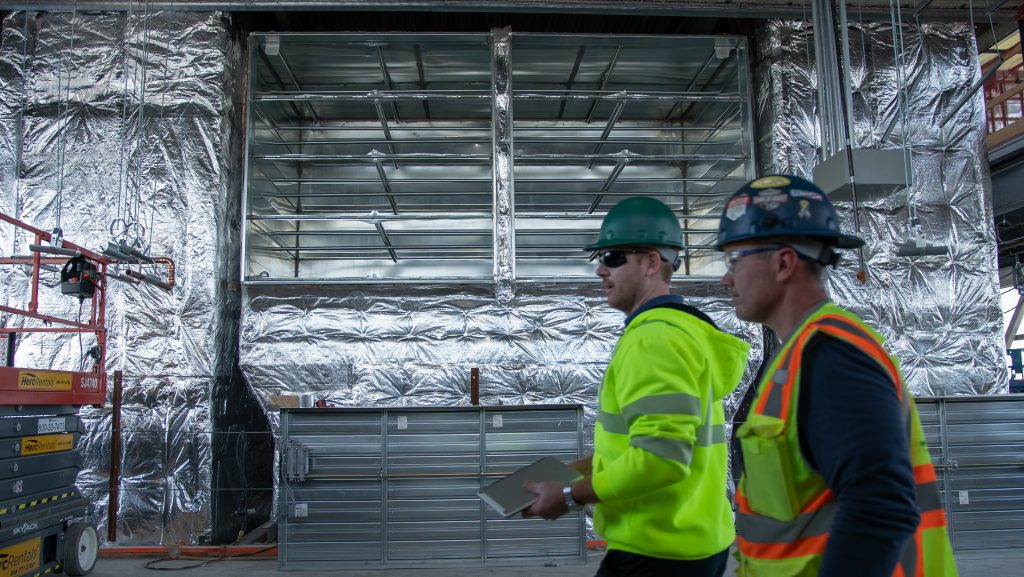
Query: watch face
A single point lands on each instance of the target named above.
(570, 501)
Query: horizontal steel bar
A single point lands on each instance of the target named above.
(361, 194)
(50, 318)
(373, 233)
(430, 195)
(374, 217)
(614, 140)
(622, 95)
(343, 248)
(372, 95)
(378, 95)
(568, 126)
(640, 180)
(488, 179)
(369, 180)
(519, 141)
(47, 249)
(632, 159)
(524, 231)
(453, 252)
(43, 235)
(424, 157)
(370, 218)
(565, 126)
(448, 140)
(478, 159)
(29, 260)
(4, 330)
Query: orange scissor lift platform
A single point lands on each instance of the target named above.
(45, 524)
(45, 387)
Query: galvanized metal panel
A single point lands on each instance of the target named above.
(523, 538)
(395, 487)
(517, 438)
(433, 443)
(986, 432)
(977, 445)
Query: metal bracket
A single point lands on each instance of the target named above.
(296, 462)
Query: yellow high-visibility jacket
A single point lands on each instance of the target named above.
(660, 445)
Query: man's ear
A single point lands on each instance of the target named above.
(786, 263)
(652, 264)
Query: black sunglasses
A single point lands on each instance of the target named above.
(616, 258)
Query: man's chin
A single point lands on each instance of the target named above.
(743, 316)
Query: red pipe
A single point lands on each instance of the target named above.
(191, 551)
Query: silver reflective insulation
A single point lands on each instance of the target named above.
(940, 315)
(115, 122)
(504, 195)
(417, 347)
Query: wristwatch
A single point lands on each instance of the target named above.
(570, 501)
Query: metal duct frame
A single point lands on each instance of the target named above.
(367, 156)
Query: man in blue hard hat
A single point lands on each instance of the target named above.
(837, 480)
(658, 472)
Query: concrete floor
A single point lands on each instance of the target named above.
(1004, 563)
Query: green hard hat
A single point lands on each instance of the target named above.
(639, 220)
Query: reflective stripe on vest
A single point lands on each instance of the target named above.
(708, 434)
(763, 537)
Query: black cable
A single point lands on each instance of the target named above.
(81, 354)
(151, 565)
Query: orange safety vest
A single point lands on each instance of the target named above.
(785, 508)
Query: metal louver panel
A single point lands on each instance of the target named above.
(977, 445)
(397, 487)
(459, 157)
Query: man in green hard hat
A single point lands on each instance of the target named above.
(658, 472)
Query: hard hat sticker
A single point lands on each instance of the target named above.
(805, 209)
(737, 207)
(770, 198)
(770, 181)
(796, 192)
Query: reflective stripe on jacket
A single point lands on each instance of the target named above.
(660, 446)
(785, 509)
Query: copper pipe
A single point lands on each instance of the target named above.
(170, 268)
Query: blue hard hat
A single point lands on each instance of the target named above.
(781, 205)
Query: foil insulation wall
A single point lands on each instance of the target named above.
(941, 314)
(120, 116)
(405, 347)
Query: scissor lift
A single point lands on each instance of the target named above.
(45, 524)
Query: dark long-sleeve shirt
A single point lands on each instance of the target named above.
(853, 432)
